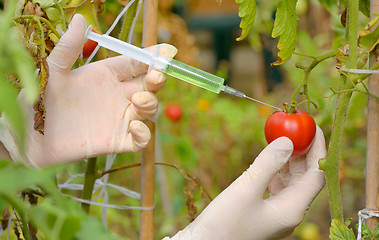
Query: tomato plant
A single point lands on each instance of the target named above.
(298, 126)
(89, 46)
(174, 112)
(305, 52)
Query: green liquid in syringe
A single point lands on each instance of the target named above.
(195, 76)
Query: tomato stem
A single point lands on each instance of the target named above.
(39, 20)
(128, 21)
(330, 164)
(308, 101)
(288, 109)
(90, 177)
(307, 71)
(367, 92)
(42, 35)
(362, 77)
(304, 55)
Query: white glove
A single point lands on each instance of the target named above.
(241, 213)
(91, 110)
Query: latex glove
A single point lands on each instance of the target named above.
(241, 213)
(94, 109)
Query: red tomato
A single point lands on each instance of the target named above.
(174, 112)
(298, 126)
(89, 46)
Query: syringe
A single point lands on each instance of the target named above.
(167, 65)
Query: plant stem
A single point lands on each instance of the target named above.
(44, 20)
(330, 164)
(183, 172)
(352, 33)
(364, 76)
(307, 72)
(42, 35)
(304, 55)
(128, 21)
(89, 182)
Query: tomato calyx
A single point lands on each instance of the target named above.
(289, 109)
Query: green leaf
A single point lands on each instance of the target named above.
(19, 177)
(339, 231)
(366, 232)
(3, 205)
(285, 27)
(364, 7)
(23, 67)
(246, 11)
(56, 221)
(92, 227)
(376, 232)
(54, 15)
(370, 39)
(15, 60)
(328, 3)
(55, 216)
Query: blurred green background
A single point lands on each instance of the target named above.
(219, 136)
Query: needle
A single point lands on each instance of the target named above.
(262, 102)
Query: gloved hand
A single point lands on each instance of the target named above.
(94, 109)
(241, 213)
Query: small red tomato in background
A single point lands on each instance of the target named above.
(298, 126)
(174, 112)
(89, 46)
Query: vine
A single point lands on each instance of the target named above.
(330, 164)
(304, 84)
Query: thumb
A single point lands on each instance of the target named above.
(267, 164)
(70, 45)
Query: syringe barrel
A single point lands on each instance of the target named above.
(127, 49)
(167, 65)
(195, 76)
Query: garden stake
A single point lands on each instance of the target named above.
(372, 161)
(150, 16)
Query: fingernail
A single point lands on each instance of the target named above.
(161, 78)
(142, 98)
(169, 50)
(172, 51)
